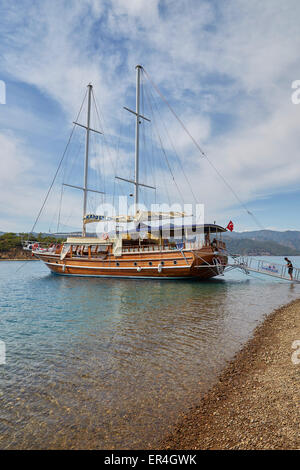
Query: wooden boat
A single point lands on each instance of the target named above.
(152, 255)
(150, 258)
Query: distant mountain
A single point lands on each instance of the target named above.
(259, 242)
(264, 242)
(246, 246)
(290, 238)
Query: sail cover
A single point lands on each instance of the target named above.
(140, 216)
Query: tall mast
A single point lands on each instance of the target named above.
(86, 164)
(85, 188)
(137, 135)
(138, 117)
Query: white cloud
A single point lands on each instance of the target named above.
(214, 61)
(14, 165)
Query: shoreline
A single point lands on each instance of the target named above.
(255, 403)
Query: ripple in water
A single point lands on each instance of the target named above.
(109, 364)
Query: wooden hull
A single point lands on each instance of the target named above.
(171, 264)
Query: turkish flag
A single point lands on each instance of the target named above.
(230, 226)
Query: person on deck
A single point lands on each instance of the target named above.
(290, 267)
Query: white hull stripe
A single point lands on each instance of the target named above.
(135, 268)
(126, 277)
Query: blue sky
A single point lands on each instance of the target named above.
(225, 67)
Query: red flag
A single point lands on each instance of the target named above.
(230, 226)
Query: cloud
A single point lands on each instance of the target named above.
(14, 165)
(226, 68)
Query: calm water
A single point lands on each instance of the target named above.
(95, 363)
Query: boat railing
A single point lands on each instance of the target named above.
(195, 245)
(267, 267)
(155, 248)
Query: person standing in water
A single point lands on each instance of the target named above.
(290, 267)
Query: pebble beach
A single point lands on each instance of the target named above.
(256, 402)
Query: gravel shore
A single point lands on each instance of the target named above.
(256, 403)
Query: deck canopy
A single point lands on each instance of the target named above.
(143, 230)
(213, 228)
(173, 230)
(88, 241)
(140, 216)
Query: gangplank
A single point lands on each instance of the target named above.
(249, 264)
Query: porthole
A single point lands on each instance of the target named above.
(117, 263)
(175, 262)
(150, 263)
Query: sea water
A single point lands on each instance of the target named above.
(111, 363)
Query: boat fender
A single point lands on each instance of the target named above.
(139, 269)
(63, 268)
(159, 268)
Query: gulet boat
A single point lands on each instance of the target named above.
(143, 252)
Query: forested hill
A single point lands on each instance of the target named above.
(11, 244)
(264, 242)
(261, 242)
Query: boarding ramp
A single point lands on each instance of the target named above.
(249, 264)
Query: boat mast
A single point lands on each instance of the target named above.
(138, 116)
(137, 135)
(86, 164)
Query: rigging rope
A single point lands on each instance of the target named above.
(55, 175)
(58, 168)
(97, 108)
(172, 145)
(163, 150)
(203, 154)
